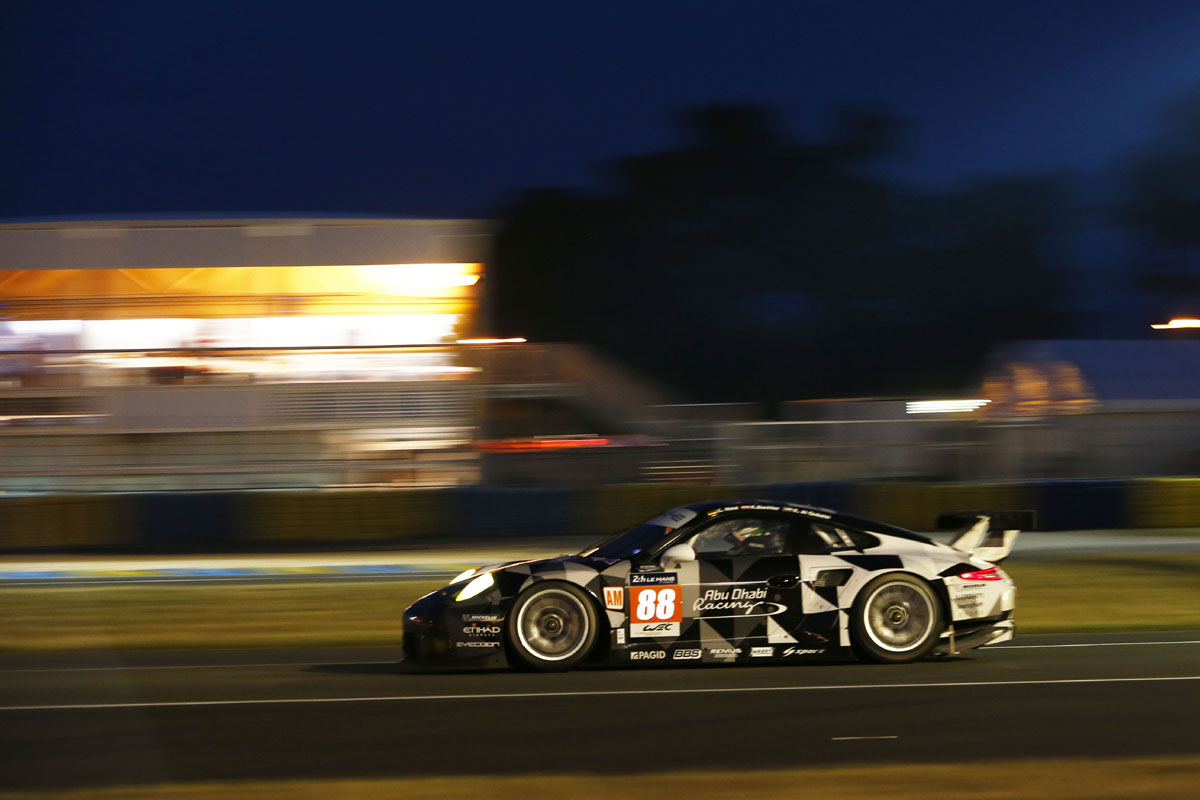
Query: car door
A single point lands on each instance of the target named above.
(832, 567)
(744, 592)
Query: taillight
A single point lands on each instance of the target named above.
(989, 574)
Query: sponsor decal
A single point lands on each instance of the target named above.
(477, 644)
(724, 652)
(760, 507)
(762, 652)
(969, 605)
(653, 579)
(655, 609)
(614, 598)
(799, 651)
(686, 654)
(647, 655)
(968, 600)
(483, 617)
(644, 629)
(475, 629)
(620, 636)
(740, 600)
(746, 507)
(673, 518)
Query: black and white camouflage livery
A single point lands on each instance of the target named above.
(730, 582)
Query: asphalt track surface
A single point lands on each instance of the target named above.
(94, 719)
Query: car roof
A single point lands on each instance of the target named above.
(712, 507)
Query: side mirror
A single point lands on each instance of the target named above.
(676, 555)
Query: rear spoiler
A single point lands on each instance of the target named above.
(986, 534)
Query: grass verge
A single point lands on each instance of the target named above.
(1128, 593)
(1108, 593)
(1159, 778)
(149, 616)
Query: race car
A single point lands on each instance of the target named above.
(734, 583)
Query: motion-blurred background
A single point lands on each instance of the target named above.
(305, 307)
(532, 268)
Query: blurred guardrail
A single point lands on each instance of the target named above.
(209, 418)
(223, 520)
(1156, 440)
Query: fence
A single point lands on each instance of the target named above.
(218, 520)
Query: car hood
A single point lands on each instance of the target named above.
(594, 563)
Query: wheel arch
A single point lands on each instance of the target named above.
(603, 645)
(600, 648)
(937, 588)
(936, 583)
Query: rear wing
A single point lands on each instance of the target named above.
(986, 534)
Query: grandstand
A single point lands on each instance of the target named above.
(229, 353)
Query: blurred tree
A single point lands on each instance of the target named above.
(747, 265)
(1162, 198)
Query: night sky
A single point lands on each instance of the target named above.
(448, 108)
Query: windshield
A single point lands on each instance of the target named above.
(630, 543)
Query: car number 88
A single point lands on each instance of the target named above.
(661, 605)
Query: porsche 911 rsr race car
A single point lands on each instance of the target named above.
(731, 582)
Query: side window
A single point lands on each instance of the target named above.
(742, 536)
(825, 537)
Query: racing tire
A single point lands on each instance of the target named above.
(553, 626)
(896, 618)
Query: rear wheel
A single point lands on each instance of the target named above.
(553, 626)
(896, 618)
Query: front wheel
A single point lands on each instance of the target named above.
(896, 618)
(553, 626)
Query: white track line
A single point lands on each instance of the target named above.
(597, 693)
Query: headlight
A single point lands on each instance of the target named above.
(462, 576)
(478, 586)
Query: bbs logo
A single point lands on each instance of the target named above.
(687, 654)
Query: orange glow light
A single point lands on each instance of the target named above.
(515, 340)
(1178, 323)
